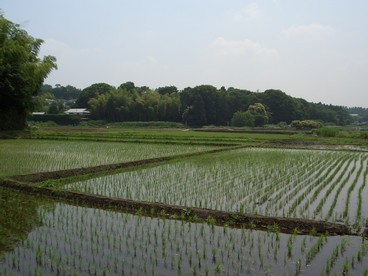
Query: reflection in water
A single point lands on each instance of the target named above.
(77, 240)
(18, 216)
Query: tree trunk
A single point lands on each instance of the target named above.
(13, 119)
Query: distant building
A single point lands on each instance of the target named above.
(78, 111)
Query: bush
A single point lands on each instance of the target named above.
(306, 124)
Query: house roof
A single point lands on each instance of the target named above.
(77, 111)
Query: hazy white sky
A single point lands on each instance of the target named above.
(312, 49)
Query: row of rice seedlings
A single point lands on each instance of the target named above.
(348, 212)
(30, 156)
(77, 240)
(240, 180)
(342, 260)
(340, 175)
(345, 183)
(301, 191)
(316, 194)
(224, 179)
(280, 185)
(283, 195)
(359, 221)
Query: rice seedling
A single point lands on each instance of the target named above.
(78, 240)
(259, 181)
(31, 156)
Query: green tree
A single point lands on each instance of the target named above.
(282, 107)
(90, 92)
(243, 118)
(198, 105)
(129, 86)
(21, 74)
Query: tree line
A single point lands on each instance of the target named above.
(203, 105)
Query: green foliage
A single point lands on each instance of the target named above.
(283, 108)
(60, 92)
(21, 74)
(128, 86)
(241, 119)
(134, 105)
(201, 105)
(90, 92)
(167, 90)
(306, 124)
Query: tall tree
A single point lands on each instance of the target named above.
(90, 92)
(22, 73)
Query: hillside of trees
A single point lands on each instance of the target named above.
(360, 115)
(197, 106)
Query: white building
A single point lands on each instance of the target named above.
(78, 111)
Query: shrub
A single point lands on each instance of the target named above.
(306, 124)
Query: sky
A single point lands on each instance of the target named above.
(311, 49)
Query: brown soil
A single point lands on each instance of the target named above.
(233, 219)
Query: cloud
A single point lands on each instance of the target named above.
(238, 48)
(250, 13)
(312, 30)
